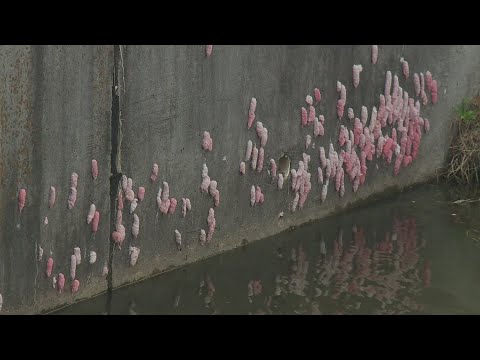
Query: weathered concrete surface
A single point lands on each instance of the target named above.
(55, 114)
(174, 93)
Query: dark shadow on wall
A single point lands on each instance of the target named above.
(115, 175)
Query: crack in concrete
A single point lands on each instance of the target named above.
(115, 173)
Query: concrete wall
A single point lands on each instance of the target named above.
(55, 114)
(174, 93)
(57, 103)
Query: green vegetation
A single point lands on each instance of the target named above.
(465, 112)
(463, 164)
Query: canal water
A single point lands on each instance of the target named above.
(414, 253)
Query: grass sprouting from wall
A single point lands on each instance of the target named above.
(463, 162)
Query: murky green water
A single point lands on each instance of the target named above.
(406, 255)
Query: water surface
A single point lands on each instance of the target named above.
(413, 253)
